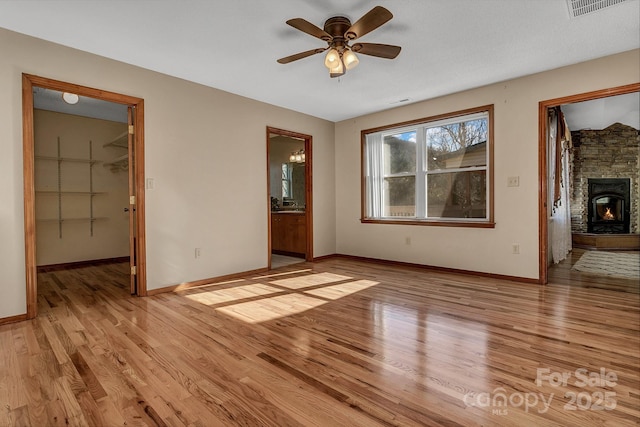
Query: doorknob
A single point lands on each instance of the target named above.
(127, 209)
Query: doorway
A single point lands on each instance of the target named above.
(543, 164)
(289, 196)
(133, 138)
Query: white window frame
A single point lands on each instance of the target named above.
(373, 171)
(286, 180)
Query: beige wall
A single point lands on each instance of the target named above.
(516, 154)
(192, 136)
(111, 230)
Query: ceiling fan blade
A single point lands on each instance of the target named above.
(300, 55)
(307, 27)
(376, 49)
(369, 22)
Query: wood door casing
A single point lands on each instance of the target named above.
(133, 282)
(28, 83)
(308, 214)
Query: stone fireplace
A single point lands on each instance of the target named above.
(608, 207)
(602, 161)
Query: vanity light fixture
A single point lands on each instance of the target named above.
(297, 157)
(70, 98)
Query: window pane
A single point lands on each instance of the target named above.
(286, 181)
(457, 145)
(457, 195)
(400, 153)
(400, 196)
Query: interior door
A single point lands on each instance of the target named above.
(132, 202)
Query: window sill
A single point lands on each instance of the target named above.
(431, 222)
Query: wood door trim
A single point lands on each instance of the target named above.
(308, 177)
(28, 83)
(543, 106)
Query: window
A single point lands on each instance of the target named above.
(286, 181)
(431, 171)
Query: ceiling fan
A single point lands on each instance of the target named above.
(338, 32)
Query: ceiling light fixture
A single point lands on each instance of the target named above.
(339, 61)
(70, 98)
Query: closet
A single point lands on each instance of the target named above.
(81, 183)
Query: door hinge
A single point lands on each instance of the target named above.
(132, 200)
(133, 270)
(130, 129)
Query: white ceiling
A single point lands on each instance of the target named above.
(601, 113)
(447, 46)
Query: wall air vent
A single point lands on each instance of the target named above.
(584, 7)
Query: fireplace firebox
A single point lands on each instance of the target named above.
(609, 204)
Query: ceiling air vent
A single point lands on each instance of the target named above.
(584, 7)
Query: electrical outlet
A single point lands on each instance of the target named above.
(150, 183)
(513, 181)
(515, 249)
(407, 240)
(197, 252)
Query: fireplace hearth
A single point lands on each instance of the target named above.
(609, 204)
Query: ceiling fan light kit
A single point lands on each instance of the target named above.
(350, 59)
(332, 58)
(337, 71)
(337, 33)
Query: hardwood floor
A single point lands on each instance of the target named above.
(335, 343)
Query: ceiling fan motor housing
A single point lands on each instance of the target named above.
(337, 27)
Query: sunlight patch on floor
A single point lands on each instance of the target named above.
(219, 296)
(257, 303)
(271, 308)
(335, 292)
(310, 280)
(186, 287)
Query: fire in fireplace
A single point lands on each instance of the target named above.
(609, 205)
(608, 215)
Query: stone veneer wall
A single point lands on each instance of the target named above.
(609, 153)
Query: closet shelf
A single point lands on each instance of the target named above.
(59, 193)
(120, 141)
(71, 219)
(119, 163)
(91, 193)
(68, 159)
